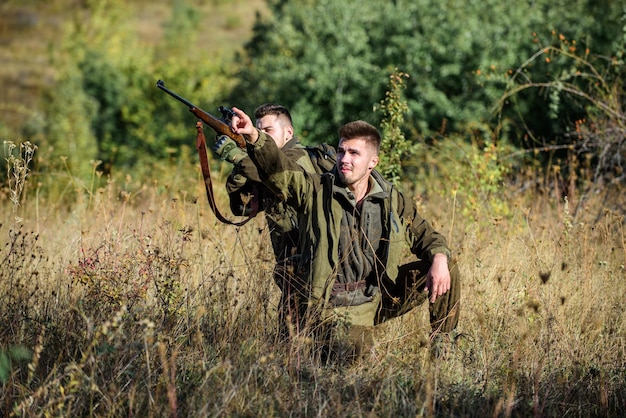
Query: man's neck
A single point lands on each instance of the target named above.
(360, 190)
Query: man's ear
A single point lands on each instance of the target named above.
(373, 162)
(289, 130)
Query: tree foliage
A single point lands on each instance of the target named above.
(105, 106)
(585, 97)
(394, 147)
(329, 61)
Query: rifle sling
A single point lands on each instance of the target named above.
(208, 183)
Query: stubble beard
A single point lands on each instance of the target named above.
(345, 178)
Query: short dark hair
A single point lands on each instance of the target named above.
(360, 129)
(272, 109)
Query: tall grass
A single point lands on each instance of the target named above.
(135, 301)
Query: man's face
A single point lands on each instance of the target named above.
(278, 128)
(356, 158)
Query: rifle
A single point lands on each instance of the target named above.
(220, 126)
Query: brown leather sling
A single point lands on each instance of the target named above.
(208, 183)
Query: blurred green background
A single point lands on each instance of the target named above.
(542, 78)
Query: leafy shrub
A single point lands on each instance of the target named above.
(105, 105)
(472, 172)
(585, 96)
(395, 148)
(328, 60)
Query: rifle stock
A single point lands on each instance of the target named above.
(218, 125)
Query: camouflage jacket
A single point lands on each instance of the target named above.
(245, 182)
(320, 203)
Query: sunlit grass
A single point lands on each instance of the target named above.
(134, 300)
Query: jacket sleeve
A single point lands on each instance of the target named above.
(244, 171)
(424, 240)
(241, 181)
(280, 173)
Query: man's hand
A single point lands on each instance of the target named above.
(242, 124)
(438, 279)
(228, 150)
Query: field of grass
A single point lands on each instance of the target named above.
(126, 297)
(137, 302)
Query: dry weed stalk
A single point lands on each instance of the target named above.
(17, 171)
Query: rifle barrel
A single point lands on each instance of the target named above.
(160, 84)
(220, 127)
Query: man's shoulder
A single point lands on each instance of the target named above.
(323, 156)
(296, 152)
(318, 158)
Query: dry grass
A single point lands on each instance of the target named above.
(131, 299)
(137, 302)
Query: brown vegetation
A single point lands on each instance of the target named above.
(138, 302)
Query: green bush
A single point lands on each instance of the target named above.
(584, 93)
(328, 60)
(394, 148)
(104, 107)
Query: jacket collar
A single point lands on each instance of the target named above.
(292, 143)
(378, 189)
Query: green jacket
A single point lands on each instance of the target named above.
(314, 198)
(282, 219)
